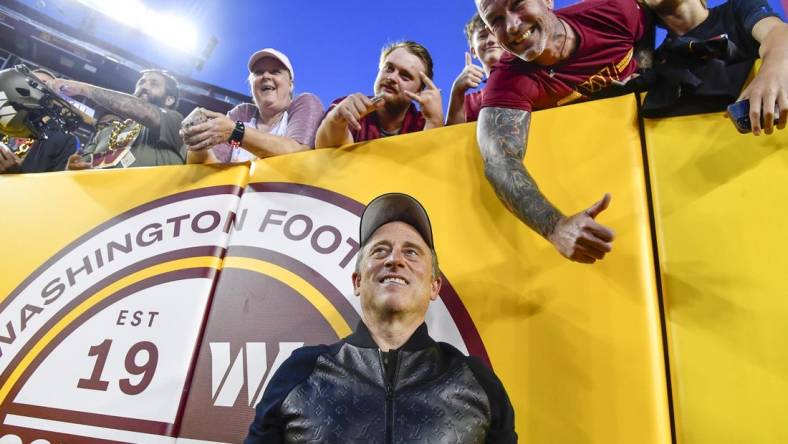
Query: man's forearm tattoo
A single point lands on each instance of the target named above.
(503, 134)
(128, 106)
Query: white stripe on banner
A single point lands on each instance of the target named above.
(86, 430)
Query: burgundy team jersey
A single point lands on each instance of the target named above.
(472, 106)
(607, 31)
(370, 127)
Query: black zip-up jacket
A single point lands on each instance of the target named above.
(343, 393)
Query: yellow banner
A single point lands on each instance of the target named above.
(720, 204)
(579, 348)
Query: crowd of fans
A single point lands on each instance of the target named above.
(143, 129)
(532, 58)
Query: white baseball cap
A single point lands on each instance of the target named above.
(271, 52)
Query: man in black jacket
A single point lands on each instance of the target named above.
(389, 381)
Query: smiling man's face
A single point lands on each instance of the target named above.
(395, 273)
(522, 27)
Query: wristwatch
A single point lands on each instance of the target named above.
(238, 134)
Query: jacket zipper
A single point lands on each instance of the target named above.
(389, 438)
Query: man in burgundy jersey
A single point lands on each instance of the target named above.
(555, 58)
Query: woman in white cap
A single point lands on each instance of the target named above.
(276, 123)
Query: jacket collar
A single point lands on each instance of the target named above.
(419, 340)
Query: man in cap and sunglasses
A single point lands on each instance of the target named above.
(389, 380)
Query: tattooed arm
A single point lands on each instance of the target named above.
(503, 136)
(122, 104)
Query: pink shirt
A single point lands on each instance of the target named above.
(303, 118)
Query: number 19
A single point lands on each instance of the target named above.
(147, 369)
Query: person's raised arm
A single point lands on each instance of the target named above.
(334, 130)
(502, 135)
(429, 99)
(769, 88)
(470, 77)
(122, 104)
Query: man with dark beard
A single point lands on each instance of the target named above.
(149, 134)
(404, 76)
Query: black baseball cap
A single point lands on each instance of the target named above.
(393, 207)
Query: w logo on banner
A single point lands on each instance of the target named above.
(227, 380)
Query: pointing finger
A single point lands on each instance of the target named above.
(351, 119)
(413, 96)
(427, 81)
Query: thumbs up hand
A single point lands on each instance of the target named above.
(581, 238)
(470, 77)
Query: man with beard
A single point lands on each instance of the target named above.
(149, 134)
(555, 58)
(389, 381)
(483, 46)
(404, 76)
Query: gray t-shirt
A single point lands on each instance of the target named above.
(163, 146)
(150, 148)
